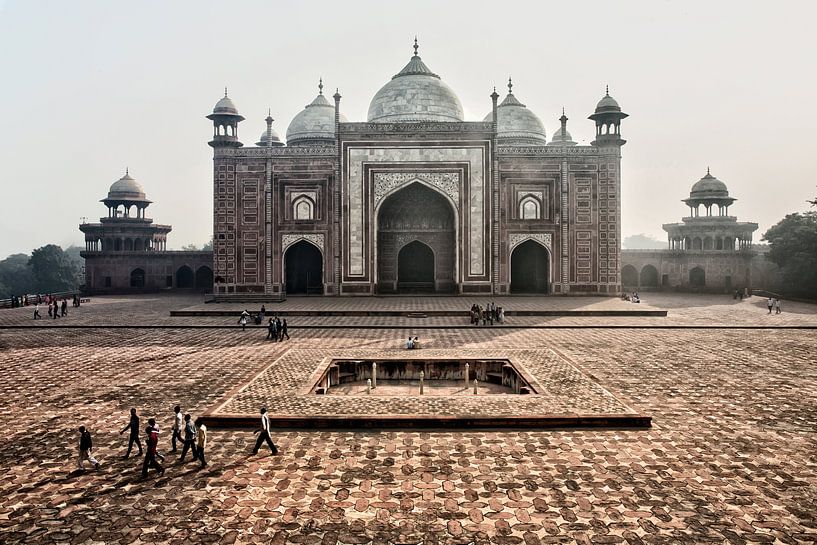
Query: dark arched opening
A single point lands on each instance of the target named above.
(137, 278)
(303, 269)
(529, 268)
(629, 277)
(415, 268)
(204, 278)
(649, 277)
(697, 277)
(184, 277)
(424, 216)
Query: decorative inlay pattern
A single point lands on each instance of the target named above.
(514, 239)
(419, 127)
(288, 239)
(448, 183)
(276, 152)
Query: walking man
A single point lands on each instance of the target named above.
(37, 311)
(201, 440)
(777, 306)
(284, 330)
(271, 329)
(177, 426)
(152, 441)
(152, 423)
(770, 304)
(189, 439)
(133, 426)
(85, 446)
(263, 434)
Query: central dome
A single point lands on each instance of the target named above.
(415, 94)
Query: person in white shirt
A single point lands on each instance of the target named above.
(177, 426)
(263, 434)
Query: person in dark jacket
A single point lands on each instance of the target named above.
(133, 426)
(85, 447)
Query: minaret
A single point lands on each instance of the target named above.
(225, 119)
(608, 116)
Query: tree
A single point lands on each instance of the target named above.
(793, 247)
(15, 276)
(53, 270)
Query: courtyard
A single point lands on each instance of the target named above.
(729, 456)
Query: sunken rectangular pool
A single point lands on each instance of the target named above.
(434, 377)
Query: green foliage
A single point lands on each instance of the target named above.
(15, 276)
(53, 269)
(793, 246)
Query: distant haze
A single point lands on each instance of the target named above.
(89, 88)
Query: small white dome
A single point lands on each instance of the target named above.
(316, 122)
(516, 124)
(126, 188)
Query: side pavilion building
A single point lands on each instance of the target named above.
(416, 199)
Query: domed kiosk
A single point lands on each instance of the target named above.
(127, 252)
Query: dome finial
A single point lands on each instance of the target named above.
(416, 47)
(510, 86)
(707, 171)
(563, 110)
(320, 86)
(225, 91)
(126, 171)
(607, 90)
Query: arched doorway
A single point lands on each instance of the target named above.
(420, 221)
(529, 268)
(303, 269)
(649, 277)
(697, 277)
(415, 268)
(184, 277)
(137, 278)
(629, 277)
(204, 278)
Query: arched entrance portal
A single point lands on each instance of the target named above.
(184, 277)
(416, 246)
(137, 278)
(529, 268)
(204, 278)
(415, 268)
(303, 269)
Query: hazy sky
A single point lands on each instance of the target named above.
(89, 88)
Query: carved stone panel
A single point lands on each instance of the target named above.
(447, 182)
(288, 239)
(514, 239)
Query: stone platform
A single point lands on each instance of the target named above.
(565, 397)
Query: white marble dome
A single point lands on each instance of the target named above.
(262, 140)
(516, 124)
(561, 138)
(126, 188)
(225, 105)
(315, 123)
(415, 94)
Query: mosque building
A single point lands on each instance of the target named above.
(416, 199)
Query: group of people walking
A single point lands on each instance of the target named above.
(191, 434)
(773, 303)
(277, 329)
(487, 315)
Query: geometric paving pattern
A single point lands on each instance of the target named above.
(284, 387)
(730, 456)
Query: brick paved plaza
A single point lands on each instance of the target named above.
(730, 456)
